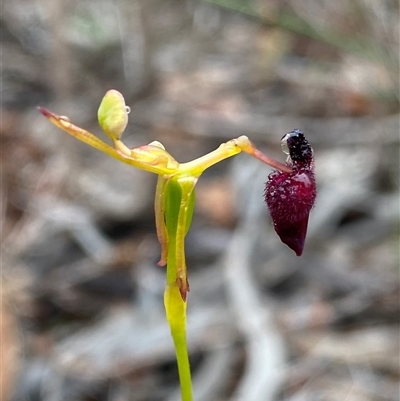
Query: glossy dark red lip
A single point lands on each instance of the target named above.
(291, 196)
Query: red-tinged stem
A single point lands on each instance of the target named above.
(271, 162)
(248, 147)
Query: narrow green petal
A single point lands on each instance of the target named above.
(225, 150)
(85, 136)
(149, 157)
(159, 207)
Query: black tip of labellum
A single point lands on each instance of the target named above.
(300, 151)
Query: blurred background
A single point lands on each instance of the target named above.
(82, 315)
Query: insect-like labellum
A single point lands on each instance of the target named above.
(291, 196)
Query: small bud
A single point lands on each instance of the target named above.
(113, 114)
(291, 196)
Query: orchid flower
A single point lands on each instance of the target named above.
(290, 196)
(175, 198)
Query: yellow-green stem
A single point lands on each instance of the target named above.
(175, 308)
(178, 211)
(183, 367)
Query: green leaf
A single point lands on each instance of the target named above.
(173, 197)
(179, 198)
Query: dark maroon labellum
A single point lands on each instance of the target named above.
(290, 196)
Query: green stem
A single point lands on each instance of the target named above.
(159, 209)
(178, 210)
(184, 368)
(175, 308)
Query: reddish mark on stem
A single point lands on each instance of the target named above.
(183, 286)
